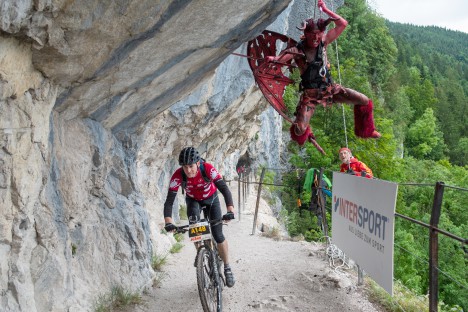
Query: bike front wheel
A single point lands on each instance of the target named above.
(209, 282)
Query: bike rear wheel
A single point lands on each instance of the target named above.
(209, 282)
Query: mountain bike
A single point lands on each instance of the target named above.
(208, 263)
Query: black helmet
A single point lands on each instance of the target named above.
(188, 156)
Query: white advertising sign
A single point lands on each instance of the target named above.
(363, 213)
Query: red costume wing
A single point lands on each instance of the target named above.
(269, 75)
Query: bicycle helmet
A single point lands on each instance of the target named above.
(188, 156)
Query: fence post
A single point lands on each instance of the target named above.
(258, 200)
(434, 248)
(244, 187)
(360, 275)
(239, 193)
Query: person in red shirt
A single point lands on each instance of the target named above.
(201, 191)
(352, 165)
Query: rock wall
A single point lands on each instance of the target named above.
(96, 99)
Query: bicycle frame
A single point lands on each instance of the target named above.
(208, 263)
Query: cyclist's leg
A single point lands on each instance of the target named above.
(214, 209)
(193, 214)
(193, 209)
(217, 231)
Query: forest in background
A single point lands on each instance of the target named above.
(417, 78)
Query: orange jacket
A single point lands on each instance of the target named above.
(357, 167)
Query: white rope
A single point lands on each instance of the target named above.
(339, 79)
(336, 257)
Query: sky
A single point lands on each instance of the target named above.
(451, 14)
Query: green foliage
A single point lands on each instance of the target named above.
(424, 139)
(270, 187)
(157, 261)
(291, 95)
(367, 41)
(183, 212)
(408, 268)
(411, 241)
(158, 278)
(400, 111)
(301, 222)
(420, 92)
(118, 298)
(417, 78)
(432, 69)
(404, 300)
(269, 178)
(179, 237)
(176, 248)
(461, 150)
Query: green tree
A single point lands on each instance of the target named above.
(400, 111)
(461, 150)
(419, 92)
(367, 41)
(424, 139)
(433, 64)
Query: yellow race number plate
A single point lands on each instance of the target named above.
(199, 231)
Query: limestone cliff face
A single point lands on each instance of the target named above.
(96, 100)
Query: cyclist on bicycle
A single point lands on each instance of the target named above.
(201, 190)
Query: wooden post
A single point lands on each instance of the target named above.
(244, 186)
(434, 248)
(239, 194)
(360, 275)
(258, 200)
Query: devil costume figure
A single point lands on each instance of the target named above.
(317, 86)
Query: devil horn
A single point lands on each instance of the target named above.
(304, 25)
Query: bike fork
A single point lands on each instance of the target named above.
(218, 279)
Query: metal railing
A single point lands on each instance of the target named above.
(434, 230)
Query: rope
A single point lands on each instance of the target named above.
(335, 254)
(339, 79)
(315, 8)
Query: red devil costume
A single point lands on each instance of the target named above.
(317, 86)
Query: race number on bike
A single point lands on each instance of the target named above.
(199, 231)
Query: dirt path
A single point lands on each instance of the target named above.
(270, 276)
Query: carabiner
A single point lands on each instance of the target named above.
(322, 71)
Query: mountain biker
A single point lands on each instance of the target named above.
(201, 191)
(351, 164)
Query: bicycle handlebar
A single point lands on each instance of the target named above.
(184, 228)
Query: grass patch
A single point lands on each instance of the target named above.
(116, 299)
(157, 262)
(158, 279)
(183, 212)
(179, 237)
(176, 248)
(403, 300)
